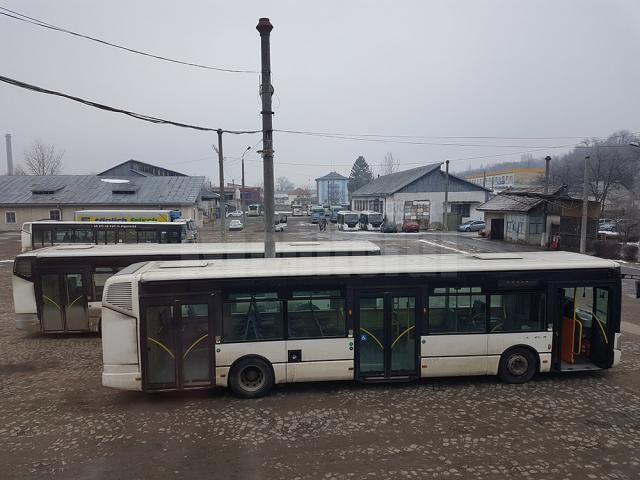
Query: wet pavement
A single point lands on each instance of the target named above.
(56, 420)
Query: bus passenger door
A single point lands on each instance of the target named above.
(386, 338)
(63, 301)
(177, 344)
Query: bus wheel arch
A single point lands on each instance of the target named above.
(251, 376)
(518, 364)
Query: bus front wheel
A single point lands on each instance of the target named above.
(251, 378)
(517, 365)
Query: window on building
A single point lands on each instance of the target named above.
(9, 217)
(517, 312)
(457, 310)
(462, 209)
(55, 215)
(536, 225)
(316, 314)
(256, 316)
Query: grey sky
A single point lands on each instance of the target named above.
(474, 68)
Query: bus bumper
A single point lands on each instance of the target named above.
(27, 322)
(616, 356)
(122, 377)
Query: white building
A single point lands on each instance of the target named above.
(418, 194)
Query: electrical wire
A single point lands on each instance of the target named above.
(138, 116)
(34, 21)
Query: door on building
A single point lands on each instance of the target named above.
(497, 229)
(386, 334)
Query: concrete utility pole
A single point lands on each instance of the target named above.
(445, 215)
(585, 208)
(264, 27)
(7, 138)
(544, 241)
(223, 222)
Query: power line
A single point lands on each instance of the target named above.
(34, 21)
(383, 139)
(138, 116)
(428, 137)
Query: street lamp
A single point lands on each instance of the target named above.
(242, 190)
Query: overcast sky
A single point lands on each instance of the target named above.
(464, 68)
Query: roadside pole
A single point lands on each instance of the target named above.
(544, 239)
(264, 27)
(445, 215)
(585, 207)
(223, 222)
(242, 191)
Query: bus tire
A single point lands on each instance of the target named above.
(517, 365)
(251, 377)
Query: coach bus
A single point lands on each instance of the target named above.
(348, 220)
(53, 232)
(248, 324)
(59, 289)
(317, 213)
(371, 220)
(254, 210)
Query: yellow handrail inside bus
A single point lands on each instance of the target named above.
(600, 323)
(401, 335)
(374, 337)
(47, 298)
(194, 344)
(162, 346)
(579, 323)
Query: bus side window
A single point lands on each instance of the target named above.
(64, 235)
(517, 312)
(37, 238)
(457, 310)
(252, 317)
(100, 276)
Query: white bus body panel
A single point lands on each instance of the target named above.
(120, 356)
(24, 301)
(446, 355)
(499, 342)
(275, 352)
(322, 359)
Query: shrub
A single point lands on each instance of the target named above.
(606, 248)
(630, 253)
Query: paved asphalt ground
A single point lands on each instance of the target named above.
(56, 420)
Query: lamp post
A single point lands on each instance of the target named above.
(242, 189)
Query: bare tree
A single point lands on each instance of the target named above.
(389, 164)
(41, 159)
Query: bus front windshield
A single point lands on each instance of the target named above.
(375, 217)
(351, 218)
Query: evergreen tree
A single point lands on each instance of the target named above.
(360, 175)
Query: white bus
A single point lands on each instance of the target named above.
(371, 220)
(250, 323)
(348, 220)
(45, 233)
(59, 289)
(254, 210)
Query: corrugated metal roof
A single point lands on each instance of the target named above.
(92, 189)
(332, 176)
(521, 199)
(388, 184)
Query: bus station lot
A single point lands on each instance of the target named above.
(56, 420)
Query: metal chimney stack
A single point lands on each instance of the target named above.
(9, 154)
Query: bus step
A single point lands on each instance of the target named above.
(399, 378)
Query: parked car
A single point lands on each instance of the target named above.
(389, 227)
(410, 226)
(235, 213)
(235, 225)
(471, 226)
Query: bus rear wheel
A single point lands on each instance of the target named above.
(251, 378)
(517, 365)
